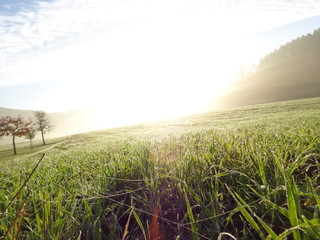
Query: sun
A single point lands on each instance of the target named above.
(141, 101)
(132, 82)
(139, 74)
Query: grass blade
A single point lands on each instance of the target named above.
(293, 207)
(241, 206)
(191, 217)
(22, 186)
(139, 222)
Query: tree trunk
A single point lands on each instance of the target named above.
(42, 134)
(31, 144)
(14, 145)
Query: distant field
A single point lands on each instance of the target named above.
(244, 173)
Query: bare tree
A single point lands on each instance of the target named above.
(16, 127)
(43, 123)
(32, 132)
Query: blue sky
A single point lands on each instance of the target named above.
(148, 58)
(275, 37)
(11, 7)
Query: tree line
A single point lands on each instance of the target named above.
(290, 72)
(19, 127)
(304, 45)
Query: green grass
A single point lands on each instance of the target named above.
(245, 173)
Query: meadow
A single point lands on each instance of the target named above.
(244, 173)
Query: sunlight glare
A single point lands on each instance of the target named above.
(157, 69)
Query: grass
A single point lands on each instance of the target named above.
(245, 173)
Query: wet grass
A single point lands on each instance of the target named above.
(246, 173)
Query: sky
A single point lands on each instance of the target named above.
(137, 60)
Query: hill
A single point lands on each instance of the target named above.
(290, 72)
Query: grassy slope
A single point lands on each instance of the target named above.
(249, 172)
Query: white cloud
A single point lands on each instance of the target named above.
(50, 21)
